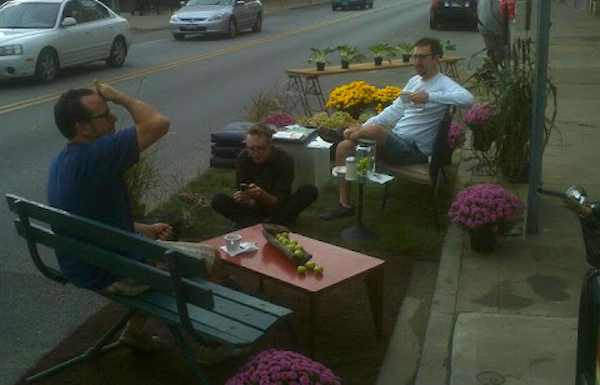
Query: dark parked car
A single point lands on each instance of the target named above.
(335, 4)
(453, 11)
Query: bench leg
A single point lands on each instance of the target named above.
(374, 282)
(187, 352)
(386, 192)
(98, 349)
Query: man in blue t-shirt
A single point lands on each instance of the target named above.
(86, 178)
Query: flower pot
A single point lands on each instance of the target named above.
(405, 57)
(482, 139)
(378, 61)
(345, 64)
(482, 241)
(320, 66)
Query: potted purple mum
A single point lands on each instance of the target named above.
(456, 139)
(283, 367)
(478, 119)
(485, 210)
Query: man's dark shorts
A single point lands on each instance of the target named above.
(400, 151)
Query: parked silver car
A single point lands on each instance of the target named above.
(216, 17)
(39, 37)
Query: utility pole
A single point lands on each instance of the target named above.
(539, 116)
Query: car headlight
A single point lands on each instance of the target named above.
(175, 18)
(15, 49)
(221, 16)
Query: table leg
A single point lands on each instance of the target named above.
(313, 324)
(296, 83)
(359, 232)
(261, 285)
(374, 282)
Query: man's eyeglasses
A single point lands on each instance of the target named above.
(420, 57)
(260, 149)
(103, 115)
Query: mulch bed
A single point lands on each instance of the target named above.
(346, 341)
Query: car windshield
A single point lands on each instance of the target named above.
(28, 15)
(208, 2)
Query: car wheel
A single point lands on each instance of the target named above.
(371, 4)
(47, 67)
(333, 7)
(178, 36)
(363, 5)
(232, 29)
(257, 24)
(118, 53)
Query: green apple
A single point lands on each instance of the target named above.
(301, 270)
(298, 253)
(318, 269)
(310, 265)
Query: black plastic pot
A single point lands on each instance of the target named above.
(320, 66)
(405, 57)
(345, 64)
(378, 61)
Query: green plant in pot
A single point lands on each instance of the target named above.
(349, 55)
(510, 90)
(383, 51)
(319, 57)
(448, 46)
(406, 49)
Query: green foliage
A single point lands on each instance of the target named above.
(384, 50)
(405, 47)
(448, 46)
(510, 88)
(141, 179)
(366, 116)
(406, 226)
(350, 54)
(337, 120)
(319, 55)
(266, 103)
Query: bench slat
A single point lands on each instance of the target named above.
(102, 235)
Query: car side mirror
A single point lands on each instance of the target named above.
(68, 21)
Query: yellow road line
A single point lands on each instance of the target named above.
(4, 109)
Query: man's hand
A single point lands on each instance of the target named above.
(352, 132)
(158, 230)
(419, 97)
(109, 93)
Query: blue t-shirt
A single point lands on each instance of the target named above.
(87, 180)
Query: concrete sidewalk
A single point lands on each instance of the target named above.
(511, 317)
(152, 22)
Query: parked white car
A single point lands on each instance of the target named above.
(226, 17)
(39, 37)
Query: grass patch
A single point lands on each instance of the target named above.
(406, 225)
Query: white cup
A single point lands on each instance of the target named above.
(232, 242)
(404, 97)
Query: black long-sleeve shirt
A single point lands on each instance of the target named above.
(275, 175)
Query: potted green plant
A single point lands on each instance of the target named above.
(349, 55)
(447, 46)
(318, 56)
(509, 88)
(383, 51)
(405, 49)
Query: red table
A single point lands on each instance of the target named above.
(339, 265)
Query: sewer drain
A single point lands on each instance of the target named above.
(490, 378)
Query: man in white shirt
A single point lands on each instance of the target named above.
(415, 122)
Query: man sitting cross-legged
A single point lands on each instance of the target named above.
(414, 122)
(264, 175)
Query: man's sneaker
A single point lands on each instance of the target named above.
(337, 212)
(141, 343)
(208, 355)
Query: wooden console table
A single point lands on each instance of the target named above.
(305, 81)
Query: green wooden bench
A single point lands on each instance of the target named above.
(182, 296)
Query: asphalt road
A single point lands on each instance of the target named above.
(201, 84)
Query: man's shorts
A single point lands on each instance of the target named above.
(129, 287)
(399, 151)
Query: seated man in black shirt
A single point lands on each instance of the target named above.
(264, 175)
